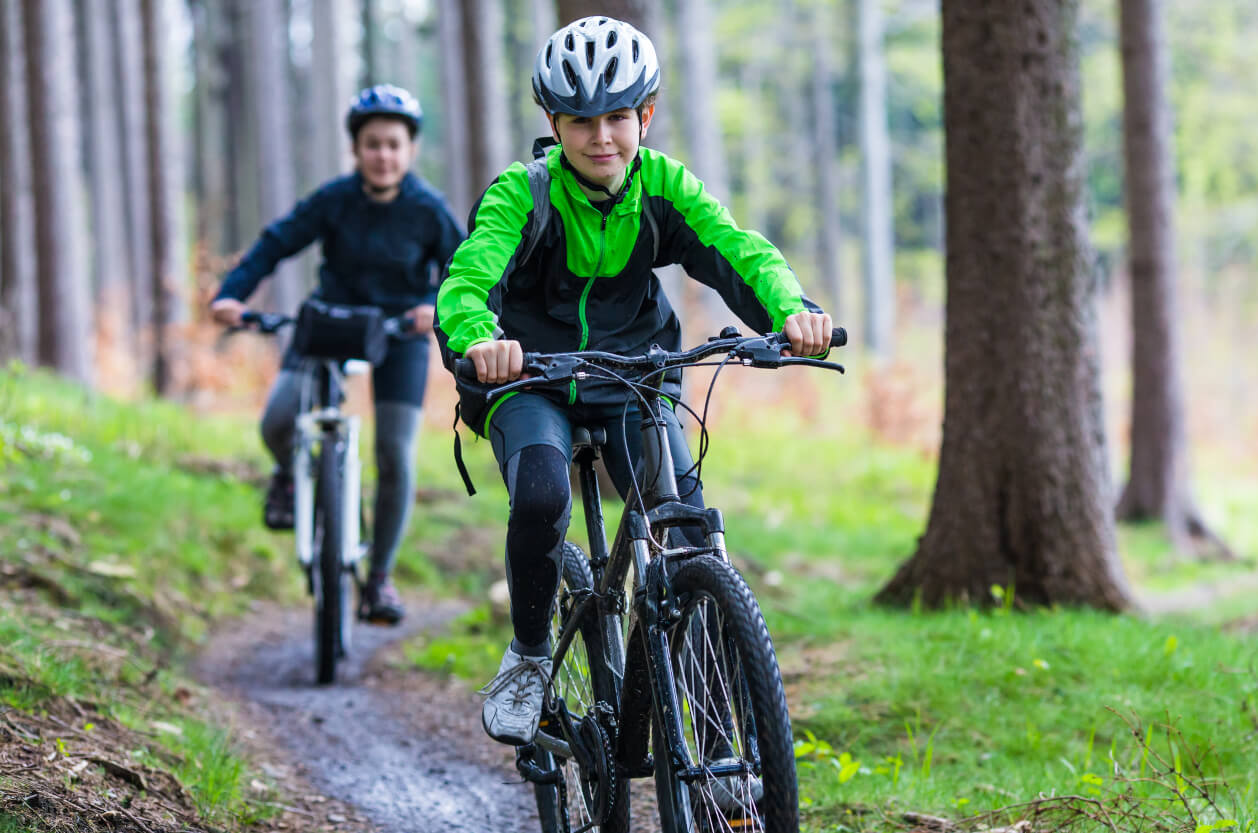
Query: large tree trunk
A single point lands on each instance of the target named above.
(1023, 498)
(110, 263)
(242, 146)
(878, 247)
(65, 325)
(19, 305)
(164, 181)
(631, 11)
(488, 143)
(268, 71)
(1158, 485)
(129, 72)
(825, 147)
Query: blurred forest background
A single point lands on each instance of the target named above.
(147, 142)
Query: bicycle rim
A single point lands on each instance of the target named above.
(582, 680)
(733, 711)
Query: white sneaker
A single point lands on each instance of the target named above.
(513, 704)
(733, 793)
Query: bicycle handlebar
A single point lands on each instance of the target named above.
(754, 351)
(272, 322)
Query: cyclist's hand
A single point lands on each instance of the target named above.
(227, 311)
(497, 362)
(421, 318)
(809, 333)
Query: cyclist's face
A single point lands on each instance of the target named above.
(384, 152)
(602, 147)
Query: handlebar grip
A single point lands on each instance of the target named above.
(838, 338)
(465, 369)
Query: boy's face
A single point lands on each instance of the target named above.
(384, 152)
(602, 147)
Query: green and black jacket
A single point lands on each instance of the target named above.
(588, 284)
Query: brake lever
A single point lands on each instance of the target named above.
(559, 369)
(787, 360)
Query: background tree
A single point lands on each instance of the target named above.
(65, 322)
(212, 176)
(19, 311)
(825, 149)
(129, 75)
(488, 114)
(1157, 487)
(169, 280)
(1023, 497)
(333, 88)
(877, 239)
(454, 90)
(104, 156)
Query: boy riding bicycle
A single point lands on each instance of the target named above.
(383, 231)
(585, 282)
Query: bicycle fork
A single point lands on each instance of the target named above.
(335, 434)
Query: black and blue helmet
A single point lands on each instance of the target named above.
(384, 100)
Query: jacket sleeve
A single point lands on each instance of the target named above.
(283, 238)
(466, 313)
(698, 232)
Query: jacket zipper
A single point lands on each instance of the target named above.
(585, 294)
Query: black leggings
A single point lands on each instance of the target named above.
(541, 506)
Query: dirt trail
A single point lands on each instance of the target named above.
(405, 750)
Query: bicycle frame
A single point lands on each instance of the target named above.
(321, 422)
(651, 610)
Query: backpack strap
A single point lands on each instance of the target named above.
(539, 187)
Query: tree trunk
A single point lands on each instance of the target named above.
(164, 182)
(488, 144)
(110, 263)
(268, 70)
(1158, 485)
(825, 149)
(632, 12)
(333, 88)
(212, 174)
(242, 146)
(129, 71)
(878, 246)
(19, 304)
(1023, 499)
(457, 182)
(370, 44)
(65, 326)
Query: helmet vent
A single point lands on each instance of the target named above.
(635, 50)
(610, 72)
(568, 43)
(569, 74)
(611, 39)
(589, 54)
(550, 49)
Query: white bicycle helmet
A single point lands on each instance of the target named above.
(593, 66)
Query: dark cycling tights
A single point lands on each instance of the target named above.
(541, 505)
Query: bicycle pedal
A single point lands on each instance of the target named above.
(643, 770)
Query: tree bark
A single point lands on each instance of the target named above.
(1158, 485)
(825, 148)
(632, 12)
(1023, 499)
(110, 263)
(878, 246)
(129, 72)
(488, 144)
(333, 88)
(19, 298)
(169, 280)
(454, 88)
(65, 326)
(268, 71)
(212, 174)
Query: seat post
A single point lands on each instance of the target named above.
(587, 450)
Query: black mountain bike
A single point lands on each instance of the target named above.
(329, 526)
(688, 689)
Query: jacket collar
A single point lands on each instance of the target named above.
(629, 199)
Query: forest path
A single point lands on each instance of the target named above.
(403, 748)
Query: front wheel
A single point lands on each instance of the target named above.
(733, 711)
(331, 579)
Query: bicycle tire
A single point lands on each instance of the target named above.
(722, 618)
(329, 572)
(584, 678)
